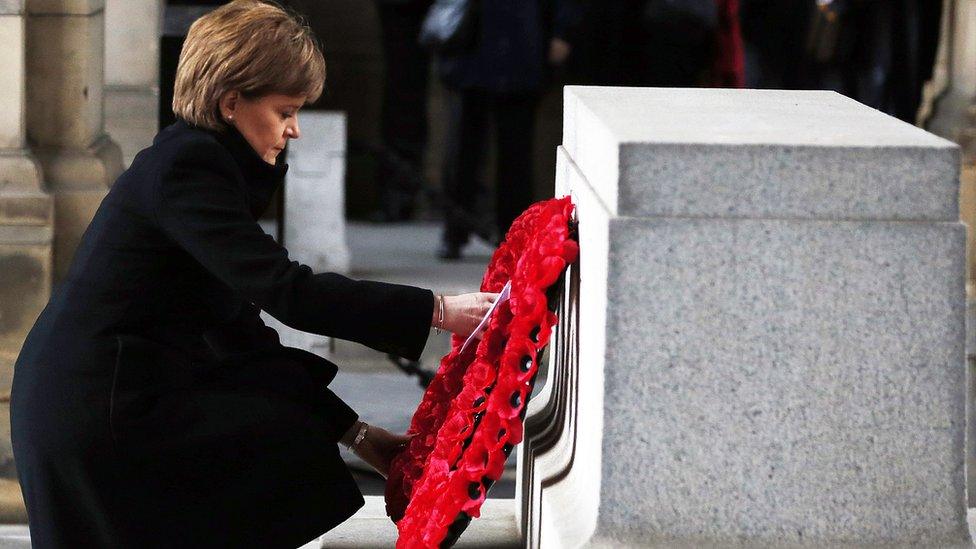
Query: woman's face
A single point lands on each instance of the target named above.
(267, 122)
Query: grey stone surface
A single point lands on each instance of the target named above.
(11, 7)
(130, 118)
(65, 7)
(971, 400)
(132, 45)
(756, 153)
(785, 381)
(371, 528)
(14, 536)
(315, 194)
(752, 374)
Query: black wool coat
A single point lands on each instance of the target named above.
(151, 406)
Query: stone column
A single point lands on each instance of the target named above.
(771, 302)
(65, 115)
(315, 202)
(132, 43)
(26, 229)
(132, 29)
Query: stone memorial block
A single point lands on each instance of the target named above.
(763, 341)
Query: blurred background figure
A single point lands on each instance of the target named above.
(403, 124)
(498, 82)
(666, 43)
(880, 52)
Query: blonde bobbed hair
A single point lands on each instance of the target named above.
(252, 46)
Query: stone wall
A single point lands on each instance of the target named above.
(26, 235)
(65, 113)
(132, 43)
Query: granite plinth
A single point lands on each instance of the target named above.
(756, 153)
(772, 329)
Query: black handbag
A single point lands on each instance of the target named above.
(451, 26)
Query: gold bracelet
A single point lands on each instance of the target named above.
(359, 437)
(440, 315)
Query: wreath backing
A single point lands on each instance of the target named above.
(471, 414)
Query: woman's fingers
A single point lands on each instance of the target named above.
(463, 313)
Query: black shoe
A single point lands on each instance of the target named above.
(449, 251)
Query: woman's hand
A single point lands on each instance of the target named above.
(379, 447)
(462, 313)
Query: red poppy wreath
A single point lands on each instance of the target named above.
(472, 412)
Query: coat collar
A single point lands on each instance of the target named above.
(262, 179)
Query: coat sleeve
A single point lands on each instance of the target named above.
(200, 203)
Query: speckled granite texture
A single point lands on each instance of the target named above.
(756, 153)
(780, 323)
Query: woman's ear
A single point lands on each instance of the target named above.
(228, 105)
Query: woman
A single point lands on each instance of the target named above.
(150, 404)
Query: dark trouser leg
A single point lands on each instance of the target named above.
(515, 125)
(463, 154)
(404, 109)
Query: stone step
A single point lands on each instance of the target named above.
(371, 528)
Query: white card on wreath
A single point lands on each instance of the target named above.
(483, 325)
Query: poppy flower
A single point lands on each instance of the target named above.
(472, 412)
